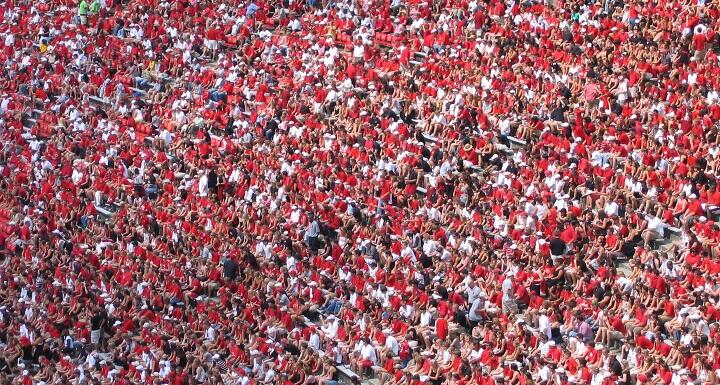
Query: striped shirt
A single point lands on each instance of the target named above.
(220, 363)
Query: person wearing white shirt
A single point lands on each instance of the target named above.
(294, 25)
(473, 291)
(433, 213)
(668, 270)
(655, 230)
(408, 253)
(598, 378)
(475, 354)
(580, 349)
(290, 263)
(406, 311)
(269, 375)
(358, 52)
(476, 309)
(203, 184)
(391, 344)
(542, 211)
(344, 274)
(90, 360)
(544, 373)
(430, 247)
(295, 214)
(530, 208)
(368, 353)
(544, 324)
(263, 249)
(314, 341)
(611, 208)
(295, 131)
(560, 203)
(330, 329)
(425, 319)
(686, 339)
(210, 334)
(364, 354)
(466, 247)
(76, 176)
(446, 168)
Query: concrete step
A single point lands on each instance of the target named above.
(98, 101)
(138, 91)
(371, 381)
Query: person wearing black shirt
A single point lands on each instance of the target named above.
(230, 269)
(97, 324)
(212, 181)
(251, 260)
(557, 246)
(614, 365)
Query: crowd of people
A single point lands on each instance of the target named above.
(405, 192)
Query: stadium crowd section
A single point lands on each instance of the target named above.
(309, 192)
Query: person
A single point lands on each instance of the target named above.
(509, 306)
(97, 325)
(95, 8)
(203, 184)
(558, 247)
(230, 269)
(475, 314)
(82, 12)
(654, 231)
(312, 234)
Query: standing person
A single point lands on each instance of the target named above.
(83, 9)
(97, 325)
(312, 234)
(558, 247)
(508, 296)
(94, 20)
(477, 308)
(213, 182)
(203, 185)
(95, 7)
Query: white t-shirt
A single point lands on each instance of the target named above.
(507, 289)
(314, 342)
(611, 208)
(656, 224)
(359, 51)
(392, 344)
(368, 353)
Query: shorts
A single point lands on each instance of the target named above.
(366, 363)
(616, 336)
(211, 44)
(509, 307)
(95, 336)
(314, 243)
(654, 235)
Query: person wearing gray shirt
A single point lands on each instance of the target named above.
(312, 234)
(476, 309)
